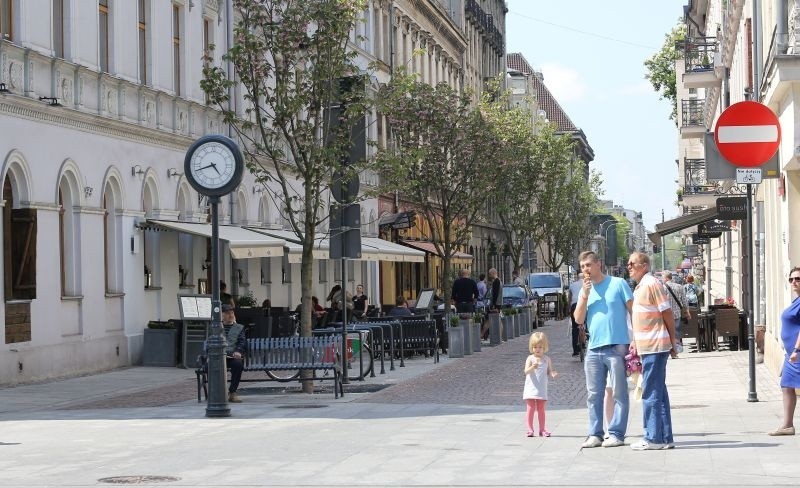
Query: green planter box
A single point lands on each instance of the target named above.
(160, 347)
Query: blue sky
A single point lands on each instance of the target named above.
(591, 54)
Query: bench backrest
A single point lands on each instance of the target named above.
(297, 352)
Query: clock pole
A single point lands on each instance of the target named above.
(217, 397)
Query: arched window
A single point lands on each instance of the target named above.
(152, 240)
(112, 237)
(68, 233)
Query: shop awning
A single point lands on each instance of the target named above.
(682, 222)
(428, 247)
(243, 243)
(294, 249)
(374, 249)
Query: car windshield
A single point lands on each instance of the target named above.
(545, 281)
(513, 292)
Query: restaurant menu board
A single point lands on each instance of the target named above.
(195, 307)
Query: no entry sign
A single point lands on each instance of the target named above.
(747, 134)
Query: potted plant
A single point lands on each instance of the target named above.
(477, 321)
(246, 300)
(465, 324)
(160, 346)
(455, 338)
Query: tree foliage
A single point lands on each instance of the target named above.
(288, 58)
(442, 153)
(565, 197)
(661, 67)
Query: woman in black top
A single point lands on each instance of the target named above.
(360, 302)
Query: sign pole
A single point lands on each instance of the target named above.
(752, 396)
(217, 399)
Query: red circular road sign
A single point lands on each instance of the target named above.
(747, 134)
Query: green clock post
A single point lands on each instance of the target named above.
(214, 167)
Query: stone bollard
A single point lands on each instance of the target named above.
(495, 328)
(518, 323)
(508, 328)
(466, 327)
(475, 329)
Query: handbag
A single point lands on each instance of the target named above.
(684, 320)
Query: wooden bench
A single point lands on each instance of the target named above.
(319, 353)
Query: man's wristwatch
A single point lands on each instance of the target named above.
(797, 349)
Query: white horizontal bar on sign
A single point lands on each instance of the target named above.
(747, 133)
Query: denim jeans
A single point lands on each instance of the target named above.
(655, 399)
(598, 363)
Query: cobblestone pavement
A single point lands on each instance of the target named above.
(494, 376)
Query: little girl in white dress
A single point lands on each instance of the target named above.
(538, 370)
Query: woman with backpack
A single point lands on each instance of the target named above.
(692, 292)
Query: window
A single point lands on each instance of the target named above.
(103, 35)
(142, 42)
(351, 270)
(6, 26)
(19, 248)
(286, 270)
(266, 271)
(323, 271)
(67, 237)
(58, 28)
(176, 48)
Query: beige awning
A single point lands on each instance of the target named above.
(430, 248)
(292, 245)
(243, 243)
(682, 222)
(374, 249)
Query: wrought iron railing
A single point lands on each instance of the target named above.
(695, 182)
(699, 53)
(693, 112)
(486, 21)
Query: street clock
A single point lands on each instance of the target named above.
(214, 165)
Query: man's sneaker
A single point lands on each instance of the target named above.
(234, 398)
(670, 445)
(592, 441)
(648, 446)
(613, 441)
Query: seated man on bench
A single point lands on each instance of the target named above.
(234, 350)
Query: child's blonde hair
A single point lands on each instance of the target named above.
(538, 339)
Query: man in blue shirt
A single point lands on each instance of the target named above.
(604, 304)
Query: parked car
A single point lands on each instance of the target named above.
(517, 296)
(549, 287)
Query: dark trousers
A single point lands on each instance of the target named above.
(576, 346)
(236, 366)
(465, 307)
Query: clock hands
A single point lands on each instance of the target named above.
(212, 165)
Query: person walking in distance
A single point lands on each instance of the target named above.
(538, 370)
(790, 335)
(465, 293)
(574, 291)
(679, 305)
(654, 341)
(604, 303)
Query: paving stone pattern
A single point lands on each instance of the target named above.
(494, 376)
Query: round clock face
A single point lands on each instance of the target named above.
(214, 165)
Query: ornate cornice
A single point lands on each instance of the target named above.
(17, 106)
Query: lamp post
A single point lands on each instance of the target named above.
(605, 237)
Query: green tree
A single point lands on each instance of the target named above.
(661, 67)
(441, 154)
(563, 199)
(288, 58)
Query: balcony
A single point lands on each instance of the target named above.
(697, 190)
(693, 118)
(700, 56)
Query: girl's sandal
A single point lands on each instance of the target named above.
(544, 433)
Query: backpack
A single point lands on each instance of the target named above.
(691, 292)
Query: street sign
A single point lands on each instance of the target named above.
(748, 175)
(732, 208)
(747, 134)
